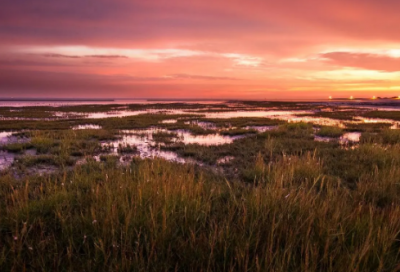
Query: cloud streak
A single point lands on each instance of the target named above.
(86, 56)
(363, 60)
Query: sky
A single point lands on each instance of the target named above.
(236, 49)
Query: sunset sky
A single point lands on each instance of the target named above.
(255, 49)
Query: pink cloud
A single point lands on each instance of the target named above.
(364, 61)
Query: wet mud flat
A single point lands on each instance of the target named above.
(208, 135)
(164, 185)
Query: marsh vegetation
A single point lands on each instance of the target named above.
(136, 193)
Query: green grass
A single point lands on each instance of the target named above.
(366, 127)
(26, 112)
(334, 132)
(159, 216)
(283, 203)
(338, 115)
(387, 137)
(393, 115)
(165, 137)
(16, 147)
(126, 149)
(241, 122)
(237, 131)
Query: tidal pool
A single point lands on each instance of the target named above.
(6, 159)
(353, 137)
(147, 147)
(202, 124)
(5, 137)
(169, 121)
(210, 139)
(346, 138)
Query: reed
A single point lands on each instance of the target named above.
(160, 216)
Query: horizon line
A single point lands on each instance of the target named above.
(110, 99)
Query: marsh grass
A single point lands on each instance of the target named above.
(327, 131)
(238, 131)
(366, 127)
(197, 130)
(26, 112)
(241, 122)
(15, 147)
(284, 202)
(393, 115)
(127, 149)
(338, 115)
(387, 136)
(160, 216)
(166, 137)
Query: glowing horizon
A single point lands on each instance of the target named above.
(192, 49)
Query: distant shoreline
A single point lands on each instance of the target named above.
(155, 100)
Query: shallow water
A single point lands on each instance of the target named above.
(6, 159)
(346, 138)
(353, 137)
(144, 143)
(202, 124)
(235, 110)
(211, 139)
(126, 113)
(42, 169)
(315, 120)
(147, 147)
(100, 115)
(169, 121)
(261, 128)
(394, 124)
(88, 126)
(225, 160)
(5, 137)
(259, 113)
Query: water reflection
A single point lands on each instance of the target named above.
(261, 128)
(148, 147)
(126, 113)
(4, 137)
(269, 114)
(169, 121)
(315, 120)
(6, 159)
(394, 124)
(225, 160)
(88, 126)
(100, 115)
(346, 138)
(210, 139)
(353, 137)
(202, 124)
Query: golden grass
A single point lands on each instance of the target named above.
(159, 216)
